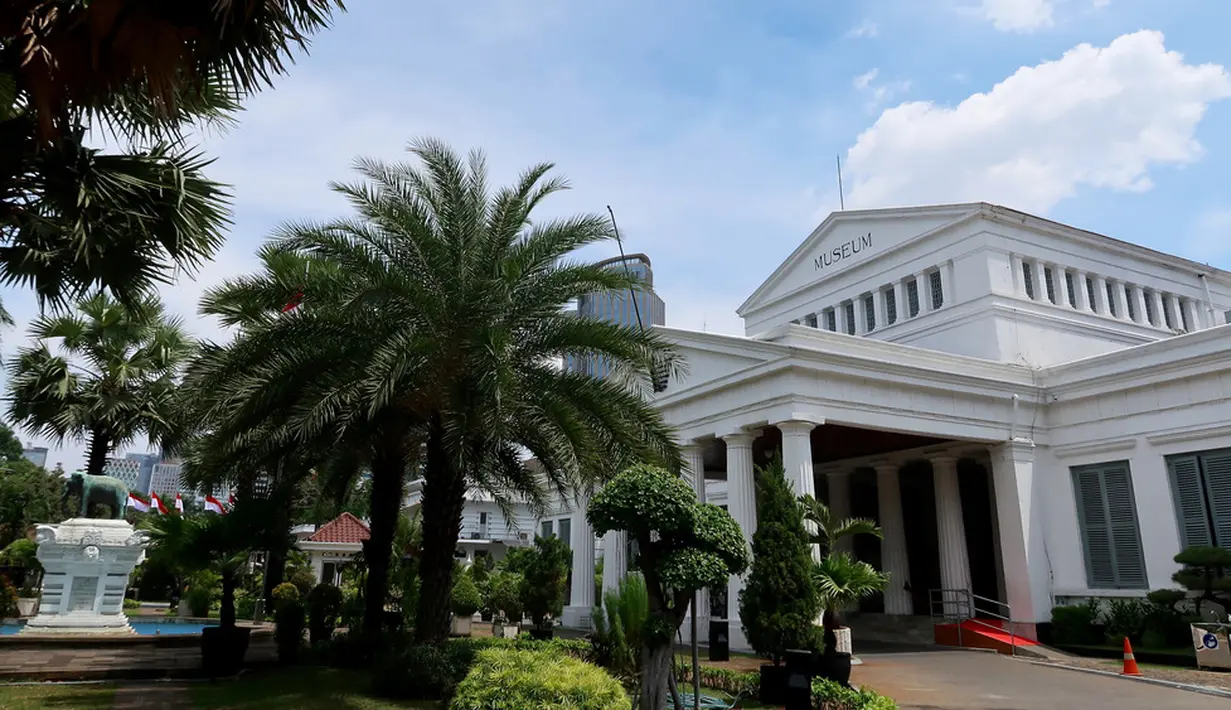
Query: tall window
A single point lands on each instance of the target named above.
(891, 306)
(1129, 305)
(1090, 294)
(1107, 517)
(1183, 314)
(1111, 300)
(869, 312)
(1068, 285)
(1049, 281)
(565, 530)
(1201, 489)
(1028, 279)
(938, 296)
(848, 309)
(1167, 301)
(546, 529)
(810, 320)
(831, 320)
(1149, 301)
(912, 297)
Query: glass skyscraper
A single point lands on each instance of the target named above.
(618, 307)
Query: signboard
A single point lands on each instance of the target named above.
(1211, 645)
(842, 252)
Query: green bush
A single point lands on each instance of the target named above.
(303, 580)
(285, 592)
(288, 632)
(1074, 625)
(200, 598)
(324, 605)
(619, 625)
(512, 679)
(1125, 617)
(245, 605)
(505, 597)
(828, 695)
(8, 598)
(130, 603)
(1165, 625)
(421, 672)
(746, 685)
(22, 553)
(544, 586)
(464, 599)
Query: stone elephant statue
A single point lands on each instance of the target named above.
(105, 490)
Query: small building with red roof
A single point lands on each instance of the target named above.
(333, 546)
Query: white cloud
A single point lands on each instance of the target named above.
(1097, 117)
(1017, 15)
(867, 28)
(863, 80)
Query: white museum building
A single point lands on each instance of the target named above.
(1032, 412)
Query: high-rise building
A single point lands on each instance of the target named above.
(146, 462)
(36, 455)
(126, 470)
(619, 307)
(166, 480)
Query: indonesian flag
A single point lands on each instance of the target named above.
(135, 502)
(212, 505)
(179, 504)
(231, 501)
(156, 504)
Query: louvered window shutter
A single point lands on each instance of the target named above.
(1111, 538)
(1217, 470)
(1190, 510)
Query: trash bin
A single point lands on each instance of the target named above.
(720, 640)
(801, 667)
(1211, 644)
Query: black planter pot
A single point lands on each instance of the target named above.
(538, 634)
(836, 667)
(773, 684)
(223, 650)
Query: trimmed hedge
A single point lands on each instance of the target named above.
(513, 679)
(826, 694)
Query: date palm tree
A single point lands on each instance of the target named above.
(827, 530)
(431, 334)
(114, 379)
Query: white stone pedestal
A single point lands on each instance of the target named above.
(87, 563)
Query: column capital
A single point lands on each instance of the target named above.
(738, 438)
(942, 458)
(688, 446)
(885, 465)
(1019, 450)
(795, 426)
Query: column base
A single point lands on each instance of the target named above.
(577, 617)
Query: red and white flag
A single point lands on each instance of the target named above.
(212, 505)
(135, 502)
(179, 504)
(156, 504)
(231, 501)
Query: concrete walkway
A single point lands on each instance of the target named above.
(967, 680)
(152, 697)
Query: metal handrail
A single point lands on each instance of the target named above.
(936, 598)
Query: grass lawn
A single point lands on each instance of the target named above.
(66, 697)
(294, 689)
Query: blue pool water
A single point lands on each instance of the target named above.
(163, 627)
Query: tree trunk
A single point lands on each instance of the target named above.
(655, 677)
(226, 610)
(275, 571)
(388, 472)
(96, 457)
(444, 495)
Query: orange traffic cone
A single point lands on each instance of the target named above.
(1130, 663)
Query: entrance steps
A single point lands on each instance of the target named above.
(890, 628)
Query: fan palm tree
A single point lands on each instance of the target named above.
(115, 379)
(826, 530)
(431, 332)
(842, 581)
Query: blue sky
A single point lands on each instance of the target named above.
(712, 126)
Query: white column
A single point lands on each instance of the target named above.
(878, 307)
(1120, 297)
(1197, 315)
(861, 316)
(1139, 304)
(694, 458)
(1079, 290)
(899, 300)
(923, 286)
(1101, 304)
(1160, 320)
(1174, 306)
(615, 559)
(797, 463)
(741, 504)
(583, 567)
(1062, 286)
(1021, 534)
(946, 284)
(954, 560)
(839, 483)
(1019, 285)
(840, 317)
(893, 545)
(1040, 281)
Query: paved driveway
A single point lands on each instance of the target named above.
(965, 680)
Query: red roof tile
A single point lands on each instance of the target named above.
(344, 528)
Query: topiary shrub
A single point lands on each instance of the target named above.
(283, 593)
(511, 679)
(304, 581)
(324, 605)
(1074, 625)
(544, 586)
(465, 599)
(505, 596)
(288, 633)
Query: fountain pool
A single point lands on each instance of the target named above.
(144, 627)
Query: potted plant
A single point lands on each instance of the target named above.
(23, 555)
(545, 584)
(779, 604)
(507, 604)
(464, 601)
(842, 581)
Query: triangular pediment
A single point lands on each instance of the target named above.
(712, 357)
(847, 239)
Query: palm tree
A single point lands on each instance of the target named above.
(826, 530)
(842, 581)
(431, 335)
(115, 379)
